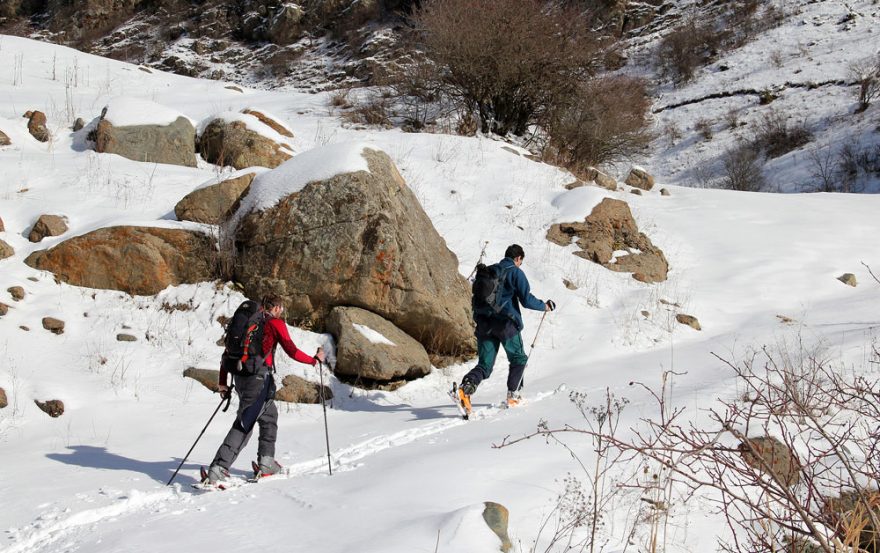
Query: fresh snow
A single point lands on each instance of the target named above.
(408, 474)
(128, 111)
(374, 336)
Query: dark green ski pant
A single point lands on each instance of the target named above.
(487, 350)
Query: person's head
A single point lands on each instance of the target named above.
(272, 304)
(516, 253)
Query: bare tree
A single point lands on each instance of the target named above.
(866, 73)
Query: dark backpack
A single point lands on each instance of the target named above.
(244, 340)
(487, 287)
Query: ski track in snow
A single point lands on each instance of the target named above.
(41, 533)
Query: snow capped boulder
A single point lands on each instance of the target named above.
(137, 260)
(141, 130)
(4, 139)
(242, 140)
(639, 178)
(609, 236)
(6, 250)
(37, 125)
(212, 204)
(299, 390)
(369, 349)
(48, 225)
(338, 226)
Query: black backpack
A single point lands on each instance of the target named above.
(487, 286)
(244, 340)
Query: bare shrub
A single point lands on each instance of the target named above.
(686, 48)
(731, 118)
(375, 110)
(822, 168)
(507, 61)
(813, 490)
(776, 136)
(742, 169)
(866, 73)
(703, 126)
(605, 121)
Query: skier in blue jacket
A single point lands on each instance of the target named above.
(503, 329)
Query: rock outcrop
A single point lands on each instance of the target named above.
(355, 239)
(137, 260)
(369, 349)
(213, 204)
(609, 236)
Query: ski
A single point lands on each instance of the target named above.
(462, 403)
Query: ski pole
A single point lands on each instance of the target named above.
(531, 348)
(482, 254)
(324, 405)
(227, 399)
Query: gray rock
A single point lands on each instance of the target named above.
(358, 239)
(688, 320)
(173, 144)
(209, 378)
(17, 292)
(636, 191)
(665, 192)
(137, 260)
(298, 390)
(212, 205)
(363, 354)
(639, 178)
(54, 407)
(126, 338)
(849, 279)
(497, 516)
(6, 250)
(768, 455)
(48, 225)
(53, 325)
(284, 27)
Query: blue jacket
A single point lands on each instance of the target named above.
(515, 292)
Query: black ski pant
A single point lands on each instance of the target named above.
(256, 406)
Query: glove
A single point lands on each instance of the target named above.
(224, 392)
(551, 305)
(319, 355)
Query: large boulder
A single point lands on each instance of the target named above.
(359, 238)
(609, 236)
(639, 178)
(242, 140)
(212, 204)
(48, 225)
(137, 260)
(369, 349)
(144, 131)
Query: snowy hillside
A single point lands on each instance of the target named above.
(408, 474)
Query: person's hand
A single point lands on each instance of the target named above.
(224, 391)
(319, 355)
(550, 305)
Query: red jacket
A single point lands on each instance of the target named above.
(274, 333)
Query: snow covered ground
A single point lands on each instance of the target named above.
(408, 474)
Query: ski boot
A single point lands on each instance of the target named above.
(215, 476)
(513, 399)
(266, 467)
